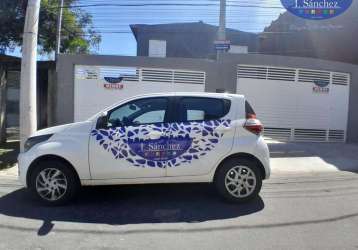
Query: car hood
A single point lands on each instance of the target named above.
(52, 130)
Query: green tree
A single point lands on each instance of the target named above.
(78, 34)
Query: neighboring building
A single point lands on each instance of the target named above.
(10, 68)
(189, 40)
(331, 39)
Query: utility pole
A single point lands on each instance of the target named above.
(3, 83)
(58, 33)
(222, 26)
(222, 21)
(28, 114)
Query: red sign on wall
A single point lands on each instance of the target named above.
(113, 86)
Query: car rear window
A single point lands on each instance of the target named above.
(250, 113)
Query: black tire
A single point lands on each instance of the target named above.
(220, 179)
(71, 180)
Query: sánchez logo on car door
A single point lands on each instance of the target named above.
(161, 149)
(187, 142)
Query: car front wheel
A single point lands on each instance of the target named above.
(238, 180)
(53, 182)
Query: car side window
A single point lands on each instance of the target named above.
(151, 117)
(139, 112)
(202, 109)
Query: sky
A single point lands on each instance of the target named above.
(112, 20)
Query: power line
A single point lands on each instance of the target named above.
(166, 4)
(113, 18)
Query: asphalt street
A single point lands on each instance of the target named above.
(296, 210)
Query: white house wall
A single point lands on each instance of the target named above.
(291, 109)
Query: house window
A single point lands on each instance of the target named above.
(157, 48)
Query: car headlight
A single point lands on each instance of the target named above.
(32, 141)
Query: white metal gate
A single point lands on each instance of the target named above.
(97, 87)
(297, 104)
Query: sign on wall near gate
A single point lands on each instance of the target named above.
(113, 79)
(321, 87)
(113, 83)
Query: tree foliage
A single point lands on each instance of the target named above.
(78, 34)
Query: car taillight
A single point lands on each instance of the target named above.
(254, 126)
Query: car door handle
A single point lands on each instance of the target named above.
(222, 129)
(154, 135)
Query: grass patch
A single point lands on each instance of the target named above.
(8, 154)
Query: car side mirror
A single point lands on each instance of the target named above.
(102, 122)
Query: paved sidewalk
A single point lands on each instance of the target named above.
(10, 173)
(8, 154)
(313, 157)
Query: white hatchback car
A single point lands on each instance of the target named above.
(154, 138)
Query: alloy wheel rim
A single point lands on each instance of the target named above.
(51, 184)
(240, 181)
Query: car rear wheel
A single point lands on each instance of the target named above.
(53, 182)
(238, 180)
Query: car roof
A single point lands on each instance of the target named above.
(196, 94)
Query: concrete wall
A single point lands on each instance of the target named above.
(220, 76)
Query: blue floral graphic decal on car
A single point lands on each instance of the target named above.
(180, 142)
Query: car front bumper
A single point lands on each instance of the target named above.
(23, 164)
